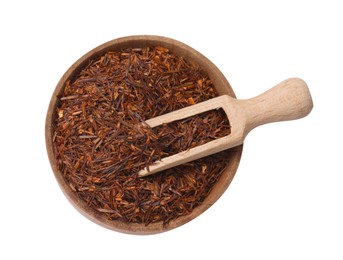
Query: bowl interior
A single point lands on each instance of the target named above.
(222, 86)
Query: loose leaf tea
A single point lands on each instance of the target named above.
(101, 141)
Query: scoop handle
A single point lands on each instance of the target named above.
(289, 100)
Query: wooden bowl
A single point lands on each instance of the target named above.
(180, 49)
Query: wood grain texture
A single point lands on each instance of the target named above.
(223, 88)
(289, 100)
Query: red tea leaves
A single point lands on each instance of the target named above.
(100, 143)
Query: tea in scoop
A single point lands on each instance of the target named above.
(289, 100)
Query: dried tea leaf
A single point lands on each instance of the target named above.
(100, 143)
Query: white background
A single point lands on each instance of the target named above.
(286, 200)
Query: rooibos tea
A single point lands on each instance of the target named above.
(100, 142)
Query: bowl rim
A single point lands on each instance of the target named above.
(134, 41)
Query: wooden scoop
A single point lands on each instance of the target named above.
(289, 100)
